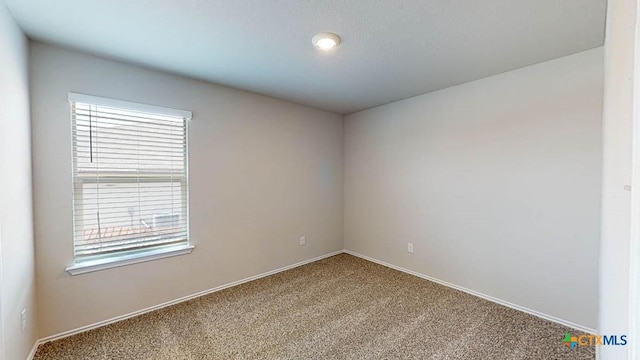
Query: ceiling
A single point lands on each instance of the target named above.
(390, 50)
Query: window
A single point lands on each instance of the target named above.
(130, 182)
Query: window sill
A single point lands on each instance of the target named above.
(117, 261)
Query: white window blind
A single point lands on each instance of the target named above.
(130, 183)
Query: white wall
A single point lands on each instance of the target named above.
(617, 157)
(16, 248)
(262, 172)
(496, 182)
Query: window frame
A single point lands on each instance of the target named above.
(128, 256)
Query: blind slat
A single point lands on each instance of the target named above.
(83, 130)
(126, 247)
(112, 112)
(117, 244)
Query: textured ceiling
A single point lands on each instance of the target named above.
(390, 49)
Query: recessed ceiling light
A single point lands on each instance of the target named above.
(326, 41)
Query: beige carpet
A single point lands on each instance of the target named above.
(342, 307)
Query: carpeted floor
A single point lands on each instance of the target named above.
(341, 307)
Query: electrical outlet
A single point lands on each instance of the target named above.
(410, 247)
(303, 240)
(23, 318)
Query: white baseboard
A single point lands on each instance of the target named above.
(478, 294)
(33, 350)
(172, 302)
